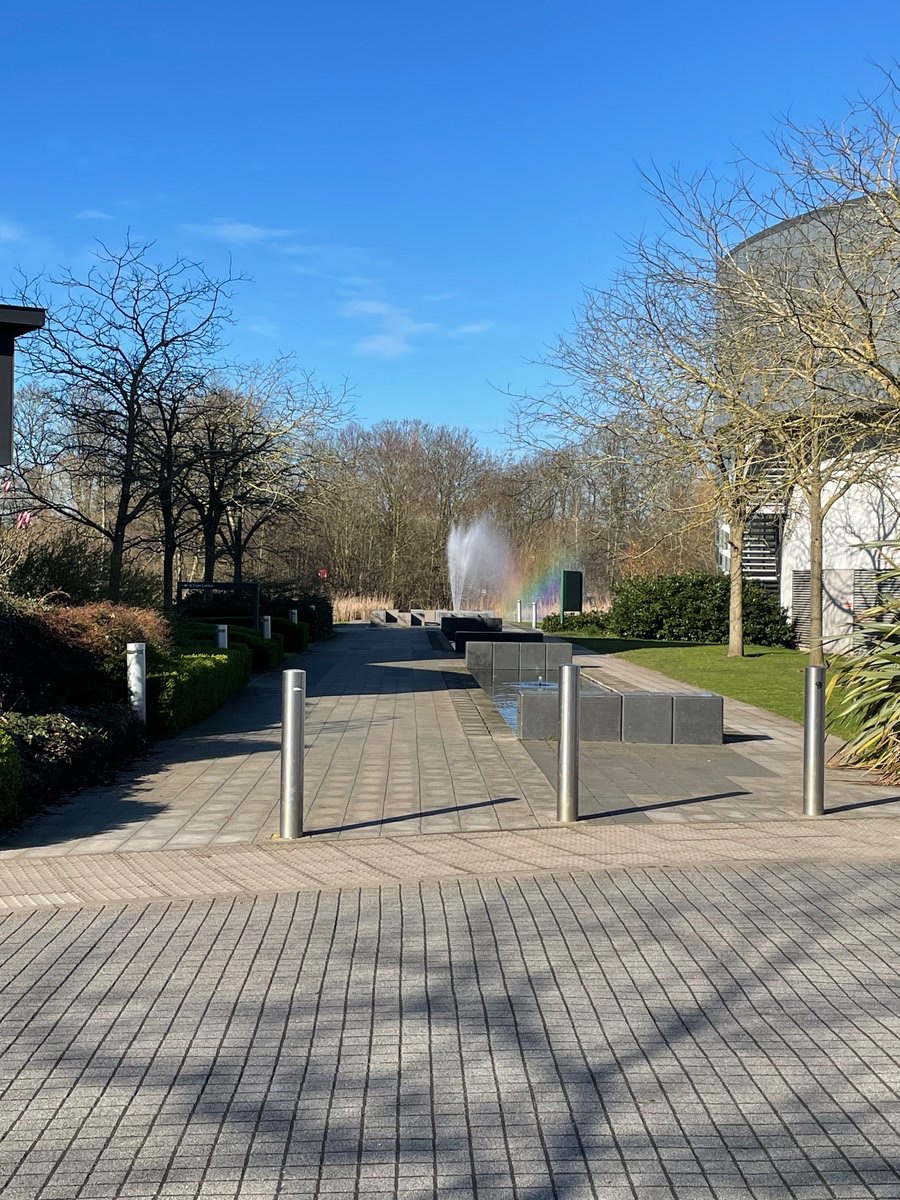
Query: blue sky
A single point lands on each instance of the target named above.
(418, 190)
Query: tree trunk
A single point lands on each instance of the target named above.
(736, 596)
(210, 553)
(116, 559)
(237, 550)
(816, 523)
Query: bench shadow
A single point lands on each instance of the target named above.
(428, 812)
(837, 808)
(641, 808)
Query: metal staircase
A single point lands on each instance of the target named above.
(762, 550)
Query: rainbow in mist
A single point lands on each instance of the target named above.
(486, 572)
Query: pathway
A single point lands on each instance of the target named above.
(718, 1032)
(624, 1009)
(400, 741)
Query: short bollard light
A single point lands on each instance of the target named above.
(221, 637)
(519, 611)
(569, 743)
(814, 742)
(534, 614)
(292, 616)
(267, 627)
(136, 660)
(293, 737)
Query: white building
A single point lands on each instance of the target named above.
(777, 542)
(776, 554)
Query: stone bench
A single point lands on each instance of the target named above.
(457, 623)
(514, 656)
(657, 718)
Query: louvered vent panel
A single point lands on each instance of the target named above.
(800, 605)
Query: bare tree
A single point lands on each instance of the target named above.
(255, 455)
(122, 349)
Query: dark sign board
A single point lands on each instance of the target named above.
(14, 321)
(570, 592)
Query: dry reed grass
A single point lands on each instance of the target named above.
(357, 608)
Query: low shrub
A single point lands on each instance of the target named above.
(57, 658)
(312, 609)
(295, 637)
(62, 751)
(592, 624)
(106, 629)
(40, 671)
(693, 607)
(193, 686)
(10, 779)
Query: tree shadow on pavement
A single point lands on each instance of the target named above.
(666, 1033)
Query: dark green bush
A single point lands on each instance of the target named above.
(194, 685)
(10, 779)
(76, 570)
(693, 607)
(312, 609)
(62, 751)
(592, 624)
(295, 637)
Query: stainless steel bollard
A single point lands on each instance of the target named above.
(292, 616)
(534, 614)
(136, 660)
(293, 737)
(569, 742)
(221, 637)
(267, 627)
(814, 742)
(519, 611)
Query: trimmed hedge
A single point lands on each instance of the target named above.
(62, 751)
(313, 610)
(592, 624)
(693, 607)
(10, 779)
(688, 607)
(194, 685)
(200, 636)
(295, 638)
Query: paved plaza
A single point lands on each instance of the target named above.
(690, 995)
(722, 1033)
(401, 741)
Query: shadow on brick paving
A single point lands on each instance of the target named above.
(658, 1034)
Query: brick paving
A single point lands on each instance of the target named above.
(400, 741)
(717, 1032)
(441, 993)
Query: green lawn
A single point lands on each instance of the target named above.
(768, 677)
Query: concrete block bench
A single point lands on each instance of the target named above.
(656, 718)
(452, 625)
(526, 658)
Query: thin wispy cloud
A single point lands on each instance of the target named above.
(10, 231)
(439, 297)
(92, 214)
(396, 332)
(262, 328)
(238, 233)
(473, 327)
(327, 258)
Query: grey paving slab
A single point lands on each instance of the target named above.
(725, 1030)
(401, 742)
